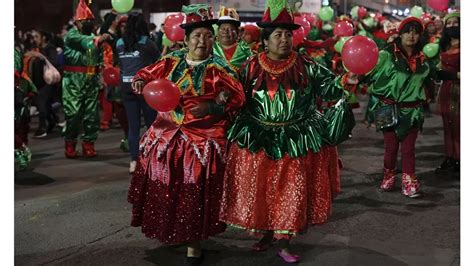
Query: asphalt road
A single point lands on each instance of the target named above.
(74, 212)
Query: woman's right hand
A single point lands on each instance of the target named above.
(137, 86)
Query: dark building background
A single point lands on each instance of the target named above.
(51, 15)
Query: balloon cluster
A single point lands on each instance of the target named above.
(303, 31)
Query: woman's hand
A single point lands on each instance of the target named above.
(222, 97)
(352, 78)
(200, 110)
(392, 38)
(137, 86)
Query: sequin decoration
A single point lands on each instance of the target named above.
(182, 206)
(285, 195)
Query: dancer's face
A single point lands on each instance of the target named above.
(200, 42)
(280, 43)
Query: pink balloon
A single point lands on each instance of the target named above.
(298, 36)
(362, 12)
(440, 5)
(344, 28)
(360, 54)
(304, 24)
(162, 95)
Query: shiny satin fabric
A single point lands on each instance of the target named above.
(241, 54)
(280, 115)
(450, 92)
(200, 83)
(393, 79)
(80, 50)
(80, 103)
(177, 187)
(80, 90)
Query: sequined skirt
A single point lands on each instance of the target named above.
(285, 196)
(175, 198)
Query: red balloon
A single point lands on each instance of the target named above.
(344, 28)
(174, 19)
(304, 24)
(111, 76)
(362, 12)
(309, 17)
(172, 29)
(360, 54)
(174, 33)
(440, 5)
(379, 17)
(162, 95)
(298, 36)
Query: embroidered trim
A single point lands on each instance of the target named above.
(279, 68)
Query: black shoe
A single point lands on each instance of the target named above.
(194, 261)
(447, 165)
(51, 127)
(40, 133)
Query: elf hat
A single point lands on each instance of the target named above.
(278, 14)
(197, 15)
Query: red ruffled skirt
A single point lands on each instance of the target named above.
(285, 196)
(176, 199)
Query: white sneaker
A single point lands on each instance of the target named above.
(133, 165)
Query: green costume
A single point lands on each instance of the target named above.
(81, 86)
(24, 89)
(241, 54)
(282, 118)
(393, 80)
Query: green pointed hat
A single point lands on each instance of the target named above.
(197, 15)
(278, 13)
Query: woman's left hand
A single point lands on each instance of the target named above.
(200, 110)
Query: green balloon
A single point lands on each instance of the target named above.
(216, 28)
(369, 22)
(165, 41)
(340, 43)
(122, 6)
(362, 33)
(431, 50)
(416, 11)
(326, 13)
(354, 12)
(327, 27)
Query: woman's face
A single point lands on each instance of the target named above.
(410, 38)
(200, 43)
(431, 28)
(452, 22)
(227, 34)
(280, 43)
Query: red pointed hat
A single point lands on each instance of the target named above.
(278, 14)
(83, 12)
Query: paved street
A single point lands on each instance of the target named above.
(74, 212)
